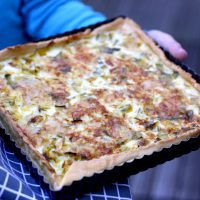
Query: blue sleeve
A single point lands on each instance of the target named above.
(44, 18)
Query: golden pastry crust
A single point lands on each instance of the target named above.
(110, 155)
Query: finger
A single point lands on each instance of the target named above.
(169, 43)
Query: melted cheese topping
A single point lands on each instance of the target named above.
(99, 95)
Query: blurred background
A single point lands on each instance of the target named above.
(178, 179)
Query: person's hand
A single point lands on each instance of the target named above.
(169, 43)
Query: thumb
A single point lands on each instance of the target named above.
(169, 43)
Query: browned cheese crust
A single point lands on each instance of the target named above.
(118, 134)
